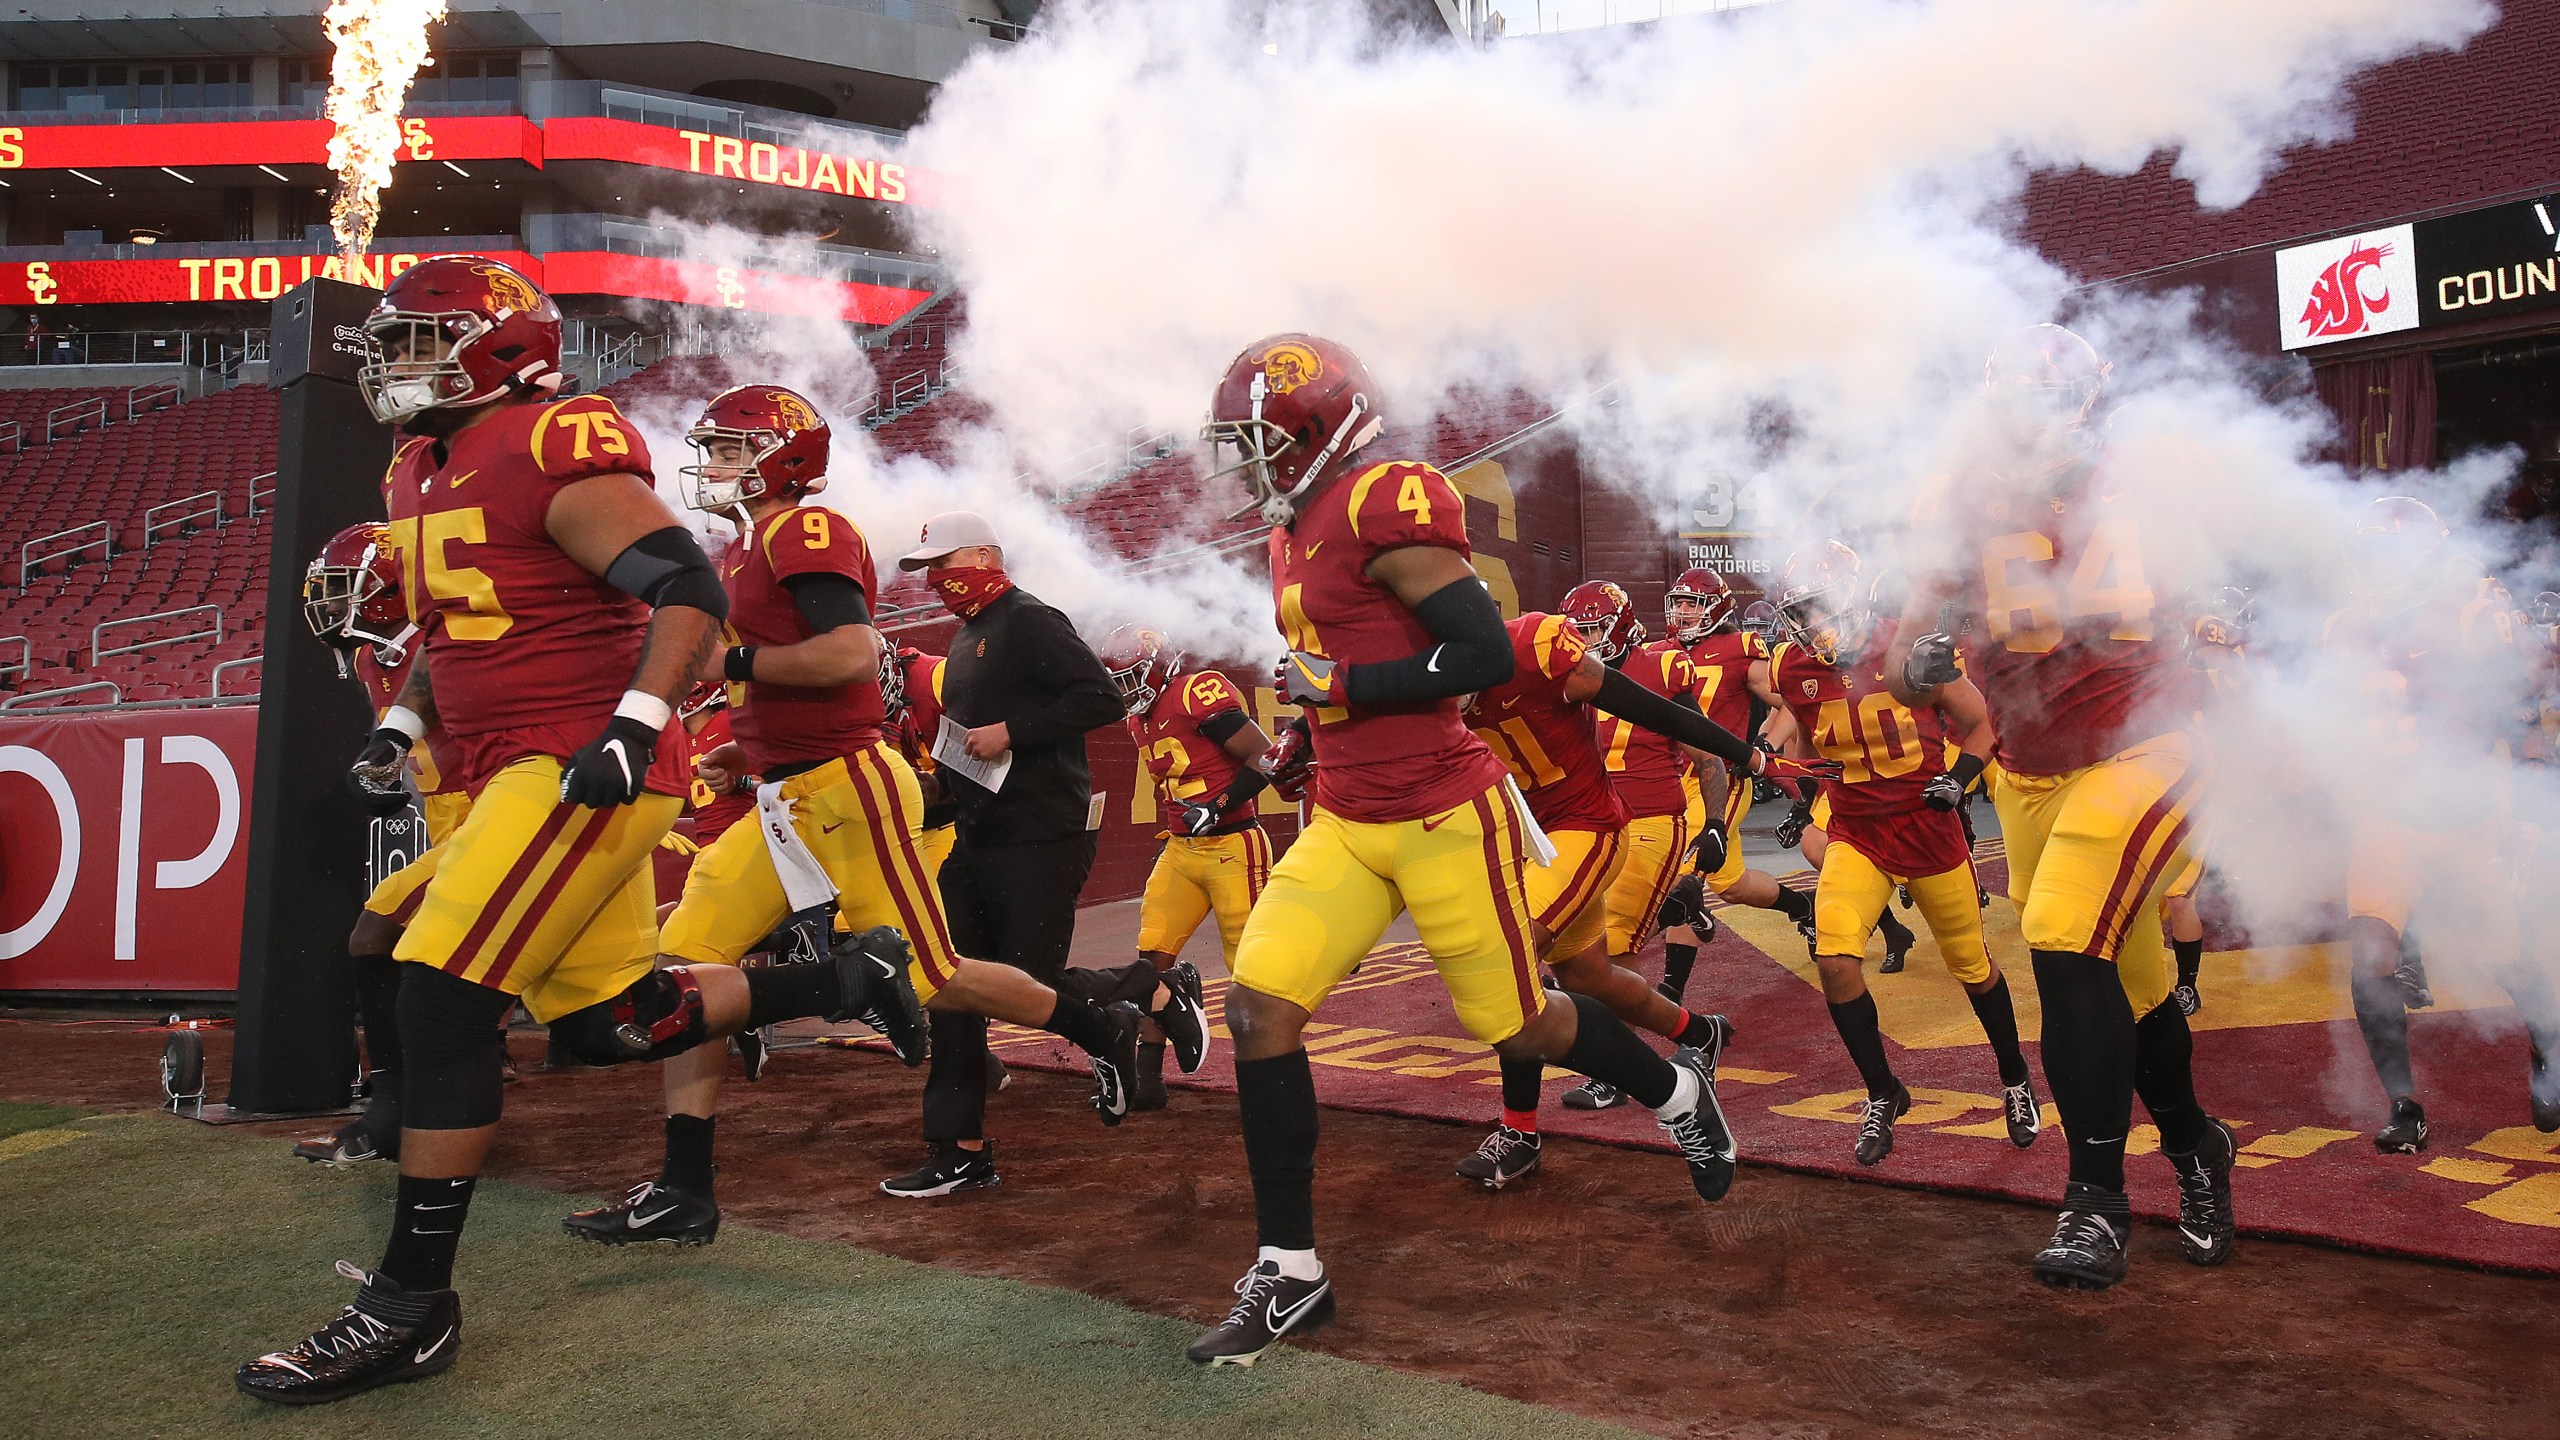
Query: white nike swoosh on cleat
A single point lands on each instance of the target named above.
(2200, 1241)
(635, 1219)
(423, 1356)
(1277, 1320)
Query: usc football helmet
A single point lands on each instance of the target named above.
(2398, 555)
(2224, 619)
(892, 680)
(1822, 605)
(775, 446)
(351, 593)
(705, 696)
(2039, 389)
(1607, 619)
(1291, 405)
(2546, 609)
(1698, 604)
(453, 332)
(1142, 663)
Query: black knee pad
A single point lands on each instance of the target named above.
(453, 1053)
(658, 1015)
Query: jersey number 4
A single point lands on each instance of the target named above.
(427, 571)
(2029, 608)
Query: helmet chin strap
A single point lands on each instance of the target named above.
(1282, 506)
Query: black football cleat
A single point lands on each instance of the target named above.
(352, 1145)
(2188, 998)
(1705, 1140)
(1115, 1066)
(1594, 1095)
(2406, 1131)
(1898, 941)
(389, 1336)
(2415, 992)
(2087, 1249)
(1875, 1133)
(1268, 1306)
(2025, 1118)
(752, 1052)
(2206, 1227)
(1506, 1155)
(2543, 1089)
(651, 1212)
(872, 987)
(950, 1170)
(1185, 1018)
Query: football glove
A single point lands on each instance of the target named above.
(1779, 767)
(1685, 905)
(1305, 679)
(609, 770)
(375, 777)
(1192, 817)
(1943, 792)
(1932, 662)
(1791, 830)
(1290, 762)
(1707, 854)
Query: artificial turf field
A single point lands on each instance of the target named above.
(144, 1257)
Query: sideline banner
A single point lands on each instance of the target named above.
(122, 849)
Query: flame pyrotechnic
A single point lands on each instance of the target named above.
(380, 45)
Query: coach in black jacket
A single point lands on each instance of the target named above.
(1019, 679)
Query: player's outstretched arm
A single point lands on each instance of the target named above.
(619, 531)
(1443, 592)
(1611, 691)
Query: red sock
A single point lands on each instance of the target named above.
(1524, 1121)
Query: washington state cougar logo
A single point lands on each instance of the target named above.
(2339, 304)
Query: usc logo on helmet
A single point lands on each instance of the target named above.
(507, 289)
(793, 411)
(1289, 365)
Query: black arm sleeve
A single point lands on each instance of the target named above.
(1642, 708)
(1474, 652)
(1056, 657)
(827, 601)
(1248, 783)
(1967, 769)
(1218, 727)
(666, 567)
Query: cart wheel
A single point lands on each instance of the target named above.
(182, 1067)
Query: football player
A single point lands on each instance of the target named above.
(2093, 703)
(1731, 662)
(1540, 723)
(2217, 646)
(911, 701)
(1387, 626)
(804, 664)
(1199, 747)
(562, 613)
(2436, 643)
(1893, 823)
(351, 601)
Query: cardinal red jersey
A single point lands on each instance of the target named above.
(1187, 764)
(432, 759)
(1648, 767)
(784, 724)
(714, 810)
(1376, 766)
(529, 652)
(1545, 739)
(921, 720)
(1887, 752)
(1722, 662)
(2078, 659)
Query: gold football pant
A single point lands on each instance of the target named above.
(2089, 850)
(1197, 876)
(1853, 891)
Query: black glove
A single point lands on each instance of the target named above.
(609, 770)
(1943, 792)
(375, 777)
(1791, 830)
(1707, 852)
(1193, 817)
(1932, 661)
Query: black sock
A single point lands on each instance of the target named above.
(688, 1166)
(1794, 905)
(2088, 1060)
(1276, 1101)
(2164, 1075)
(2382, 1013)
(1697, 1030)
(1520, 1082)
(1856, 1021)
(776, 993)
(426, 1228)
(1677, 961)
(1999, 1017)
(377, 980)
(1897, 935)
(2190, 955)
(1607, 1051)
(1079, 1023)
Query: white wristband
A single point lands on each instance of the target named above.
(644, 707)
(405, 720)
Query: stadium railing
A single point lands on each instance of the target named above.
(34, 552)
(227, 667)
(25, 663)
(99, 649)
(179, 516)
